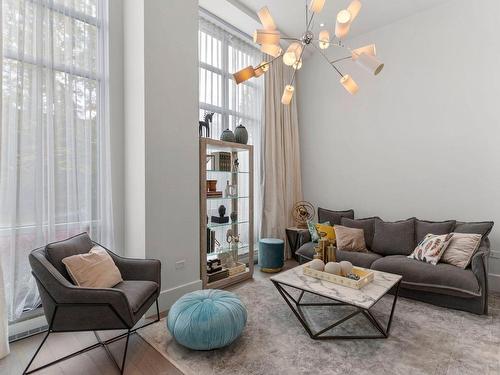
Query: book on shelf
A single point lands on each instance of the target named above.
(222, 161)
(214, 194)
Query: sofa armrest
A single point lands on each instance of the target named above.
(304, 237)
(479, 266)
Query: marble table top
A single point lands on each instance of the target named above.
(365, 297)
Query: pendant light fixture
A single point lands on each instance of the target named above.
(269, 38)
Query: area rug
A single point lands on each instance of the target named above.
(424, 339)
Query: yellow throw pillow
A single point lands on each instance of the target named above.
(328, 229)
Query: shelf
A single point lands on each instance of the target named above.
(224, 250)
(230, 280)
(219, 171)
(216, 225)
(214, 144)
(226, 198)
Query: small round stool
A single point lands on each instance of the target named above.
(207, 319)
(271, 254)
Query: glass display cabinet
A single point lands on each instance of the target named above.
(226, 212)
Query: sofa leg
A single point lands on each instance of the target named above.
(36, 353)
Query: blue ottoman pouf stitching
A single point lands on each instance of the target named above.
(207, 319)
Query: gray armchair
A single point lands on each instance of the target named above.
(70, 308)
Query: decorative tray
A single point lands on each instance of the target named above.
(239, 268)
(365, 277)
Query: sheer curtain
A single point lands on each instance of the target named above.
(223, 51)
(54, 140)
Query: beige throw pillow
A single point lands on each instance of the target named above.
(350, 239)
(461, 249)
(94, 269)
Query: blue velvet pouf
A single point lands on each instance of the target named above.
(271, 254)
(207, 319)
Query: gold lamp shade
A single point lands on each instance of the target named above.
(349, 84)
(266, 37)
(292, 54)
(244, 74)
(266, 19)
(343, 24)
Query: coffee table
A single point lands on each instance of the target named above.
(362, 300)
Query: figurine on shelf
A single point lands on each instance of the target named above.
(221, 219)
(205, 124)
(214, 265)
(236, 165)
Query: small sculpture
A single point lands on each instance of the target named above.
(333, 268)
(302, 212)
(317, 264)
(234, 216)
(227, 136)
(222, 210)
(236, 165)
(205, 124)
(241, 134)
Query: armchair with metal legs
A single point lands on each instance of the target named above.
(69, 308)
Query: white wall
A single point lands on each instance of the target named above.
(161, 178)
(421, 139)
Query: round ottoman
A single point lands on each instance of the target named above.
(271, 254)
(207, 319)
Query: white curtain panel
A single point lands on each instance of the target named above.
(222, 52)
(54, 152)
(280, 168)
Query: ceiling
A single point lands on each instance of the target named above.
(289, 15)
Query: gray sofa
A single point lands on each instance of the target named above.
(389, 244)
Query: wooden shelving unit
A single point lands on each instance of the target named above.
(242, 204)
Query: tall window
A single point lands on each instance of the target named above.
(221, 53)
(54, 139)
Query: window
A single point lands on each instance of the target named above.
(54, 157)
(221, 53)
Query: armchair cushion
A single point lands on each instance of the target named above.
(57, 251)
(137, 292)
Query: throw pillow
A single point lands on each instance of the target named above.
(334, 217)
(424, 227)
(461, 249)
(311, 225)
(328, 229)
(431, 248)
(394, 238)
(94, 269)
(350, 239)
(367, 224)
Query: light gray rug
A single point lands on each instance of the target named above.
(424, 339)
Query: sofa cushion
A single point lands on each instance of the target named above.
(394, 238)
(364, 259)
(57, 251)
(441, 278)
(334, 217)
(480, 227)
(306, 250)
(137, 292)
(367, 224)
(424, 227)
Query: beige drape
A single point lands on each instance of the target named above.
(280, 162)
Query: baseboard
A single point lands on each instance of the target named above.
(494, 282)
(169, 296)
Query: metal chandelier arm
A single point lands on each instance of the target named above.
(295, 70)
(341, 59)
(327, 60)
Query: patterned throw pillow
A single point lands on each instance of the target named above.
(431, 248)
(327, 229)
(311, 225)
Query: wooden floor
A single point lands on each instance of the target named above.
(142, 359)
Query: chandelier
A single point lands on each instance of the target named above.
(269, 39)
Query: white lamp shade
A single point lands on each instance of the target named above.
(349, 84)
(370, 63)
(292, 54)
(316, 6)
(266, 19)
(370, 50)
(354, 8)
(287, 94)
(297, 64)
(266, 37)
(324, 39)
(244, 74)
(343, 24)
(271, 49)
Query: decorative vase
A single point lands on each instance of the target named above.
(241, 134)
(234, 216)
(222, 210)
(227, 136)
